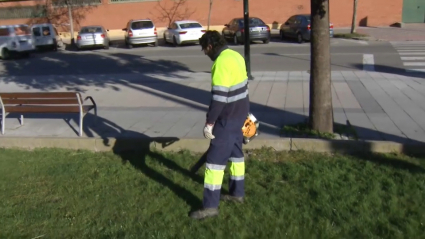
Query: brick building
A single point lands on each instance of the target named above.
(113, 14)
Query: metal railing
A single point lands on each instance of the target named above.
(23, 12)
(128, 1)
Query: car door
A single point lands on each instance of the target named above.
(46, 35)
(286, 27)
(36, 33)
(4, 37)
(297, 25)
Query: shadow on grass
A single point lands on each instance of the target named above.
(392, 160)
(136, 148)
(116, 71)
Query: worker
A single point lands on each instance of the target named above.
(226, 115)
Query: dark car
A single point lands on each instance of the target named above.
(258, 30)
(298, 27)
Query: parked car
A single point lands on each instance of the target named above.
(259, 31)
(15, 40)
(141, 31)
(298, 27)
(93, 36)
(183, 32)
(45, 35)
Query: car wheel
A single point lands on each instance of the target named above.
(155, 43)
(5, 55)
(129, 46)
(300, 38)
(106, 47)
(266, 41)
(175, 42)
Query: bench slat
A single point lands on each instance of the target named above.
(35, 95)
(46, 109)
(40, 101)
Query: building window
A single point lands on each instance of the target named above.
(23, 12)
(64, 3)
(128, 1)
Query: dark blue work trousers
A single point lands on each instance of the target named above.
(225, 147)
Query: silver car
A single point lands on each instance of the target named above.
(141, 31)
(93, 36)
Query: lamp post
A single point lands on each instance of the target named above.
(246, 39)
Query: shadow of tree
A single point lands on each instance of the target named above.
(136, 148)
(160, 78)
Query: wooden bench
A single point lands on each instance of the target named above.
(45, 102)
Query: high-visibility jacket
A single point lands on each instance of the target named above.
(230, 98)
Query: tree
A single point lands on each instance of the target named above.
(321, 111)
(65, 13)
(353, 24)
(177, 11)
(209, 14)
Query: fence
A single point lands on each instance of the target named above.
(23, 12)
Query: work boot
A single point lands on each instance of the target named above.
(204, 213)
(232, 198)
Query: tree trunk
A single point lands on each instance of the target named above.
(71, 23)
(353, 24)
(209, 14)
(321, 112)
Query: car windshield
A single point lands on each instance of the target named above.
(190, 25)
(252, 22)
(141, 25)
(91, 30)
(308, 18)
(22, 30)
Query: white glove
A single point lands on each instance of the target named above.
(208, 131)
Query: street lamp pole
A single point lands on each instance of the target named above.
(246, 39)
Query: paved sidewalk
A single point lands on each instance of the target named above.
(380, 106)
(410, 32)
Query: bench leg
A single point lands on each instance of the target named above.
(81, 124)
(22, 119)
(3, 122)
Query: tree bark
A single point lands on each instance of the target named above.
(321, 112)
(209, 14)
(353, 24)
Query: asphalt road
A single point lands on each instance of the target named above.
(346, 55)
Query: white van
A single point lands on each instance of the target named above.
(46, 35)
(15, 40)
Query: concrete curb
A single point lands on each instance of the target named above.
(201, 145)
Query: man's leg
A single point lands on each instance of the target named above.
(218, 154)
(237, 173)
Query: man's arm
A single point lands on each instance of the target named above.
(220, 90)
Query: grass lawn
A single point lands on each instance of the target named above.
(77, 194)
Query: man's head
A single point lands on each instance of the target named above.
(211, 42)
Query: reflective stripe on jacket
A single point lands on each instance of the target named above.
(230, 98)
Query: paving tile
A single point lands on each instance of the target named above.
(345, 96)
(294, 97)
(364, 97)
(278, 95)
(388, 130)
(363, 126)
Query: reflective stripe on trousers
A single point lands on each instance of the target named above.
(227, 146)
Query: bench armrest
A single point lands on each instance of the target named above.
(91, 99)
